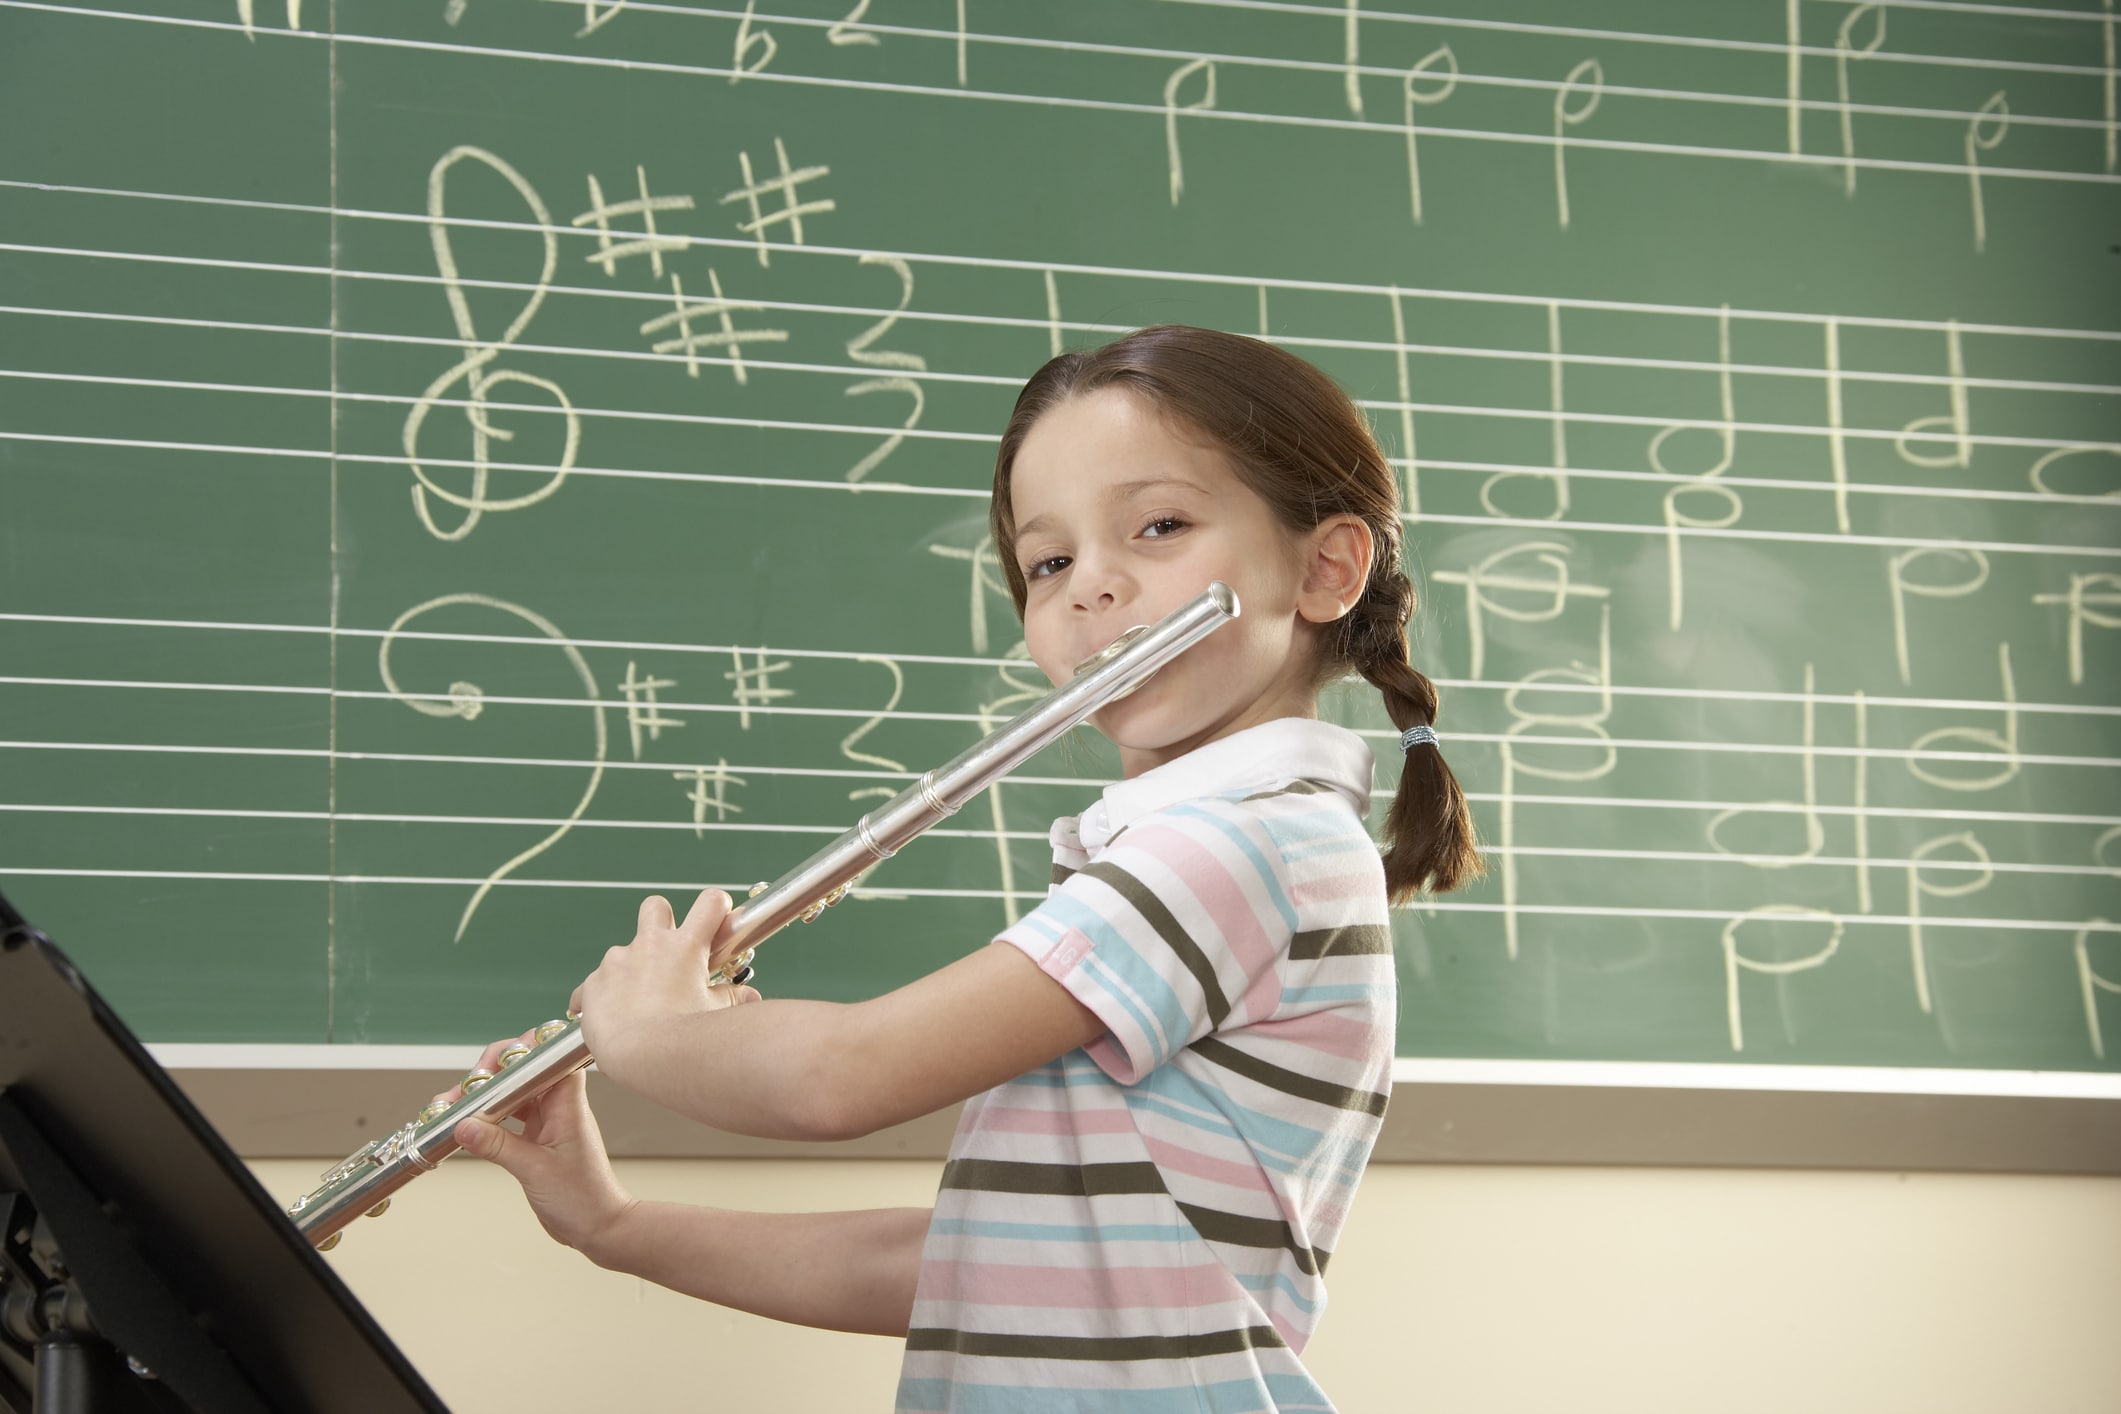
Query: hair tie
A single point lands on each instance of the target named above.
(1416, 736)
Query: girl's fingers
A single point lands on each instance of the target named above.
(655, 913)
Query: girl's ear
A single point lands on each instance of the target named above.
(1337, 554)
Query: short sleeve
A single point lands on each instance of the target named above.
(1179, 928)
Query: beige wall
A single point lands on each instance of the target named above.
(1456, 1289)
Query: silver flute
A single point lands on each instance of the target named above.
(364, 1181)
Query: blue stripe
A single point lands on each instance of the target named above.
(1349, 992)
(1135, 972)
(1236, 835)
(1276, 1281)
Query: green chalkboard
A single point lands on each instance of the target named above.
(465, 464)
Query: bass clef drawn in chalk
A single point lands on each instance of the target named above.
(475, 368)
(468, 700)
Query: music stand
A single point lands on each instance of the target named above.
(132, 1239)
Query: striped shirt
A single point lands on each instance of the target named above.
(1144, 1224)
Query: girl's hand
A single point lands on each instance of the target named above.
(559, 1157)
(659, 977)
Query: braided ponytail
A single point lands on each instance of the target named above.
(1297, 441)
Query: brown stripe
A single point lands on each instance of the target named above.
(1153, 912)
(1304, 1087)
(1062, 874)
(1355, 940)
(1293, 788)
(1238, 1231)
(1065, 1180)
(1061, 1347)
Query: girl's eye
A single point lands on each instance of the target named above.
(1039, 569)
(1163, 525)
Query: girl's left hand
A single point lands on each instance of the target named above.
(658, 977)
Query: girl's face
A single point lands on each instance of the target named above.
(1121, 518)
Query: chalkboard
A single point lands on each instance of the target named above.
(464, 465)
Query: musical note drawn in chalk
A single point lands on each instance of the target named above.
(1735, 962)
(858, 349)
(986, 579)
(1814, 827)
(246, 11)
(467, 700)
(473, 369)
(2092, 982)
(2086, 596)
(792, 209)
(1985, 132)
(1586, 80)
(1172, 108)
(992, 715)
(1417, 96)
(1351, 52)
(651, 242)
(1412, 496)
(1487, 576)
(1901, 586)
(1793, 48)
(748, 39)
(898, 687)
(727, 337)
(1845, 49)
(2005, 742)
(1959, 419)
(703, 799)
(643, 712)
(844, 30)
(2075, 449)
(1701, 483)
(1558, 435)
(753, 686)
(596, 14)
(1919, 888)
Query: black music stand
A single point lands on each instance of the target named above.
(133, 1240)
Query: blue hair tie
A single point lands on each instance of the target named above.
(1416, 736)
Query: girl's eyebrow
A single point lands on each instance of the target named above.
(1115, 494)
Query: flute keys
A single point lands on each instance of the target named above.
(810, 914)
(433, 1112)
(513, 1054)
(549, 1030)
(477, 1080)
(757, 889)
(330, 1242)
(379, 1209)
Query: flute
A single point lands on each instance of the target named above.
(364, 1181)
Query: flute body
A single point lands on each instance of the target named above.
(364, 1181)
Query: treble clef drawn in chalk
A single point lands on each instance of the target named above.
(475, 370)
(468, 700)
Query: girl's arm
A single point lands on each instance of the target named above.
(841, 1271)
(815, 1070)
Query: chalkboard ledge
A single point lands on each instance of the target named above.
(293, 1101)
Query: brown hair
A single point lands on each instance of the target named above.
(1303, 447)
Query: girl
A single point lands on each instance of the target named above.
(1175, 1067)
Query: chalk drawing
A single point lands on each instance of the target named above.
(467, 700)
(1491, 575)
(843, 30)
(986, 579)
(1586, 80)
(2004, 742)
(1808, 767)
(1172, 108)
(710, 791)
(748, 39)
(1919, 888)
(1846, 49)
(1351, 56)
(246, 12)
(1901, 586)
(650, 243)
(1959, 420)
(1411, 497)
(2087, 595)
(643, 712)
(898, 686)
(2093, 983)
(473, 368)
(1984, 133)
(1418, 97)
(2040, 467)
(1735, 962)
(792, 211)
(753, 685)
(596, 15)
(728, 337)
(1558, 437)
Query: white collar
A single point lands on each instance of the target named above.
(1272, 753)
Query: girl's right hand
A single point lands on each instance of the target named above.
(559, 1158)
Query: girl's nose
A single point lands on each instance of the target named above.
(1098, 581)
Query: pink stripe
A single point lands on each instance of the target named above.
(1335, 888)
(1330, 1032)
(1231, 914)
(1097, 1289)
(1180, 1159)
